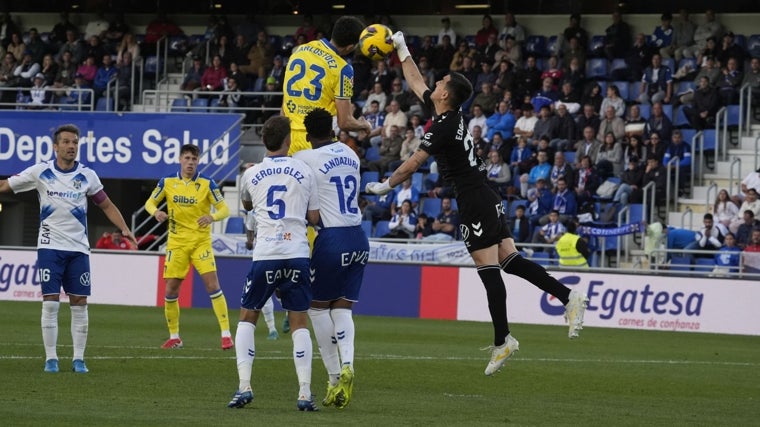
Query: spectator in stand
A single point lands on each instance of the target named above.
(570, 100)
(553, 71)
(709, 28)
(656, 173)
(213, 76)
(64, 78)
(88, 69)
(6, 70)
(683, 36)
(406, 193)
(427, 49)
(231, 99)
(520, 225)
(611, 151)
(658, 122)
(36, 46)
(711, 50)
(505, 78)
(486, 75)
(656, 83)
(103, 76)
(260, 57)
(709, 238)
(502, 121)
(124, 75)
(446, 224)
(239, 50)
(379, 210)
(729, 83)
(415, 122)
(16, 45)
(512, 29)
(486, 99)
(637, 58)
(617, 38)
(561, 169)
(635, 148)
(39, 95)
(444, 54)
(656, 147)
(376, 120)
(160, 27)
(551, 230)
(446, 30)
(546, 96)
(540, 171)
(462, 52)
(614, 100)
(574, 31)
(499, 144)
(724, 210)
(403, 223)
(114, 241)
(481, 37)
(727, 258)
(25, 71)
(588, 146)
(58, 34)
(128, 44)
(424, 226)
(194, 75)
(745, 227)
(752, 78)
(593, 96)
(390, 149)
(409, 145)
(96, 27)
(574, 53)
(729, 49)
(546, 125)
(117, 30)
(704, 106)
(681, 149)
(565, 135)
(79, 93)
(662, 36)
(381, 74)
(589, 118)
(709, 70)
(242, 80)
(752, 180)
(611, 123)
(630, 183)
(526, 124)
(376, 95)
(751, 203)
(511, 53)
(564, 202)
(498, 173)
(519, 160)
(95, 48)
(528, 79)
(220, 46)
(634, 123)
(586, 182)
(307, 28)
(49, 68)
(478, 118)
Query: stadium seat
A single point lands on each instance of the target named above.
(552, 46)
(596, 68)
(688, 135)
(214, 105)
(687, 61)
(151, 65)
(235, 225)
(569, 156)
(179, 105)
(634, 89)
(680, 119)
(431, 207)
(541, 258)
(372, 154)
(367, 177)
(670, 63)
(704, 264)
(710, 137)
(367, 227)
(199, 105)
(741, 41)
(417, 181)
(667, 109)
(684, 86)
(617, 64)
(680, 263)
(636, 212)
(513, 206)
(596, 44)
(622, 88)
(645, 109)
(753, 45)
(104, 104)
(732, 116)
(536, 45)
(381, 229)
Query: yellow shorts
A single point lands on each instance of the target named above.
(179, 258)
(298, 142)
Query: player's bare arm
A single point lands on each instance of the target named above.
(4, 186)
(346, 120)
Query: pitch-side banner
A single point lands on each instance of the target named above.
(453, 253)
(117, 145)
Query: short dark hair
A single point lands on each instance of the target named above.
(274, 132)
(190, 148)
(708, 216)
(459, 88)
(346, 31)
(318, 123)
(65, 128)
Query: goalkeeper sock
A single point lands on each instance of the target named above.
(245, 351)
(535, 274)
(79, 325)
(302, 355)
(324, 332)
(219, 303)
(49, 323)
(496, 293)
(171, 311)
(344, 333)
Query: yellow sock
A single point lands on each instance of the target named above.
(219, 303)
(171, 311)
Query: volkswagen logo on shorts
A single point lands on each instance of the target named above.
(84, 279)
(465, 231)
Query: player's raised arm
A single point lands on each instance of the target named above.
(4, 186)
(411, 73)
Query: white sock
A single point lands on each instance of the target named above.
(302, 354)
(79, 324)
(245, 350)
(344, 332)
(324, 331)
(50, 328)
(268, 312)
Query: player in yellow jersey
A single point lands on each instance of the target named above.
(317, 76)
(189, 197)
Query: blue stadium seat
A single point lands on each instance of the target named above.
(104, 104)
(596, 68)
(381, 229)
(235, 225)
(732, 116)
(541, 258)
(622, 88)
(214, 105)
(667, 109)
(711, 139)
(417, 181)
(596, 44)
(670, 63)
(617, 64)
(199, 105)
(569, 156)
(367, 227)
(687, 61)
(741, 41)
(431, 207)
(634, 89)
(680, 263)
(179, 105)
(646, 110)
(513, 206)
(536, 45)
(372, 154)
(367, 177)
(704, 264)
(688, 134)
(552, 45)
(753, 44)
(636, 212)
(680, 120)
(151, 65)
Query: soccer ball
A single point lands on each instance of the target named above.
(375, 42)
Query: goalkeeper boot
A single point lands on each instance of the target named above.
(574, 311)
(241, 398)
(500, 354)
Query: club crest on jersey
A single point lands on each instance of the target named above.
(77, 183)
(197, 186)
(291, 106)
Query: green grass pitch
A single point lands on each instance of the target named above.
(409, 372)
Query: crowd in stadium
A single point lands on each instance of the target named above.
(561, 122)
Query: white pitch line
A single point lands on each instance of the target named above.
(175, 355)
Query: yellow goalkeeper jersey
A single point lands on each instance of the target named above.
(186, 201)
(315, 77)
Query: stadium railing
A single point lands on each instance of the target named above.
(20, 102)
